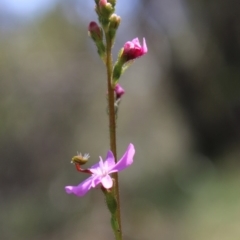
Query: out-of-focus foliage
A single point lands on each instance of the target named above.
(181, 111)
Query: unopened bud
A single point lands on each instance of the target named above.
(102, 3)
(115, 21)
(95, 31)
(105, 6)
(119, 91)
(104, 10)
(109, 8)
(113, 2)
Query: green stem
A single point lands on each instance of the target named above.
(112, 128)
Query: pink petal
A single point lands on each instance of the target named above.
(109, 162)
(102, 3)
(126, 160)
(144, 48)
(135, 41)
(128, 45)
(95, 181)
(107, 182)
(95, 168)
(119, 90)
(95, 171)
(81, 189)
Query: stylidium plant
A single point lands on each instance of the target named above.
(104, 174)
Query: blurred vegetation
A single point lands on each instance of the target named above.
(181, 110)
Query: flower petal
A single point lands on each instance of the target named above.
(126, 160)
(119, 90)
(96, 180)
(96, 168)
(81, 189)
(136, 42)
(128, 45)
(107, 181)
(144, 47)
(109, 162)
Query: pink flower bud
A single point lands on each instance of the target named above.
(103, 3)
(133, 49)
(95, 30)
(119, 91)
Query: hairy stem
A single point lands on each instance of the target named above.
(112, 128)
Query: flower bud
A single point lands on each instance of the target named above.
(119, 91)
(113, 2)
(95, 32)
(130, 51)
(105, 7)
(104, 10)
(102, 3)
(133, 49)
(115, 21)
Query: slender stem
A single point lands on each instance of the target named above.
(112, 127)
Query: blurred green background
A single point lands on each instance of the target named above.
(181, 110)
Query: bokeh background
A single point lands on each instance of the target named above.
(181, 110)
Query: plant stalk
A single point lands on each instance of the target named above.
(112, 128)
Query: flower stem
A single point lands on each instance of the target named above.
(112, 128)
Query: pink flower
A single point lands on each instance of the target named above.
(100, 172)
(133, 49)
(119, 91)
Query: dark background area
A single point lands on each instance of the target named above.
(181, 110)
